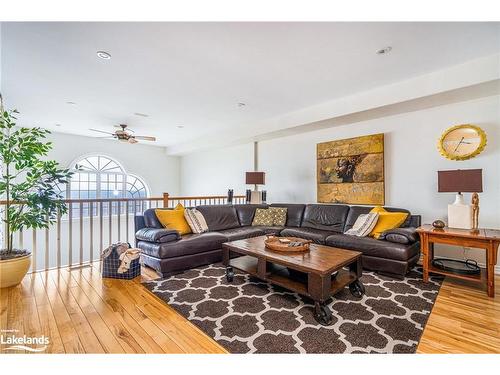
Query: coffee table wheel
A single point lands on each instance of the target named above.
(357, 289)
(229, 274)
(322, 314)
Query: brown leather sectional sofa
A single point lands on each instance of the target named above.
(168, 253)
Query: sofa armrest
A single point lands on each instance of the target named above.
(157, 235)
(407, 235)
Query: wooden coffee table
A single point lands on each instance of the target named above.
(318, 274)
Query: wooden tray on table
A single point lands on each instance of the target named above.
(283, 244)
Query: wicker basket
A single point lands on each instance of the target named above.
(274, 244)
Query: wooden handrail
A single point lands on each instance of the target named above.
(97, 200)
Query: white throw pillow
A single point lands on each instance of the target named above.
(195, 220)
(363, 225)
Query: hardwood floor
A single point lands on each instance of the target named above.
(81, 313)
(464, 320)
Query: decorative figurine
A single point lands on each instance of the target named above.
(439, 224)
(475, 210)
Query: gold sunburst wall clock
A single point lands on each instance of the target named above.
(462, 142)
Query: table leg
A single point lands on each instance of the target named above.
(225, 256)
(490, 269)
(425, 252)
(262, 268)
(357, 268)
(318, 288)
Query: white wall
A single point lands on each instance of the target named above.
(411, 161)
(158, 170)
(214, 172)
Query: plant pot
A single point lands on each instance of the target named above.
(12, 271)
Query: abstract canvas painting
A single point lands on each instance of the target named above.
(351, 170)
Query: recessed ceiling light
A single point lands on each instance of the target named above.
(103, 55)
(384, 50)
(180, 126)
(141, 114)
(71, 103)
(57, 124)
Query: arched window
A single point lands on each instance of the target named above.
(99, 176)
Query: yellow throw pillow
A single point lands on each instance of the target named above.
(174, 219)
(386, 220)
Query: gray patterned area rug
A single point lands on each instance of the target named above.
(250, 316)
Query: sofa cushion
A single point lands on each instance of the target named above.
(400, 235)
(315, 235)
(294, 214)
(157, 235)
(241, 233)
(219, 217)
(355, 211)
(150, 219)
(246, 212)
(375, 248)
(329, 217)
(187, 245)
(274, 229)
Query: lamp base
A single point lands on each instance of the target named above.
(460, 216)
(256, 197)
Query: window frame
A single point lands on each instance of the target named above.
(98, 179)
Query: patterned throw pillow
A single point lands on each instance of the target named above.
(279, 216)
(196, 220)
(364, 225)
(263, 216)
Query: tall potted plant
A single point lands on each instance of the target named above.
(28, 190)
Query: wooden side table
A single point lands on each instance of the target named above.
(487, 239)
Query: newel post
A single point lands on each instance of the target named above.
(165, 200)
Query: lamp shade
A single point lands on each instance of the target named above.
(460, 181)
(255, 178)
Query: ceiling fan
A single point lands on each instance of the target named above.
(125, 134)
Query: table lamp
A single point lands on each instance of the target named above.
(461, 215)
(255, 179)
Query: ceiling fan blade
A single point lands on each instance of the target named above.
(100, 131)
(145, 138)
(132, 140)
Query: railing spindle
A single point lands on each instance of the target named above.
(58, 239)
(101, 213)
(81, 232)
(126, 219)
(110, 217)
(33, 257)
(21, 239)
(70, 235)
(91, 230)
(47, 247)
(118, 217)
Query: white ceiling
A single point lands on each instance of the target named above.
(194, 74)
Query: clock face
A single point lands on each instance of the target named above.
(462, 142)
